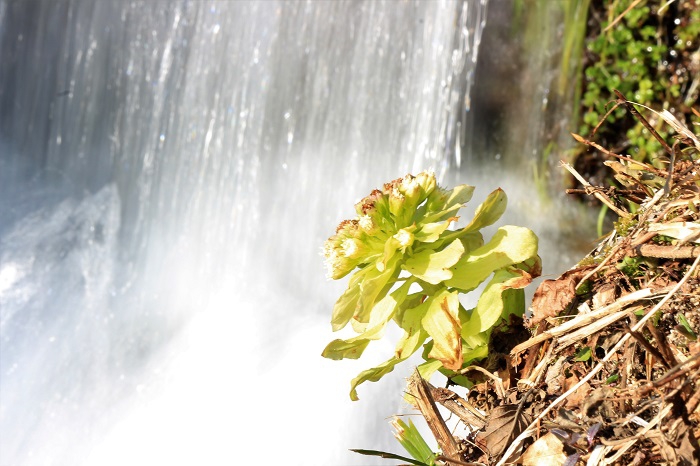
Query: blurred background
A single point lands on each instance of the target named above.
(169, 171)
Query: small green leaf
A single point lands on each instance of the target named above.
(583, 354)
(428, 368)
(374, 287)
(443, 204)
(410, 438)
(686, 325)
(430, 232)
(345, 349)
(392, 456)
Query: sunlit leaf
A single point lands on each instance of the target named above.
(374, 287)
(430, 232)
(548, 450)
(346, 305)
(443, 204)
(428, 368)
(494, 303)
(583, 354)
(509, 245)
(345, 349)
(433, 266)
(410, 438)
(489, 211)
(441, 321)
(372, 375)
(383, 311)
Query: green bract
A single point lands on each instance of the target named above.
(410, 267)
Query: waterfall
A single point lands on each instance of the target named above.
(168, 173)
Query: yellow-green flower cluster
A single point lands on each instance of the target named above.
(385, 224)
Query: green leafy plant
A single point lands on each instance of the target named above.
(643, 50)
(410, 438)
(410, 267)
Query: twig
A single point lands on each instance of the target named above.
(499, 382)
(582, 320)
(622, 15)
(458, 406)
(418, 387)
(598, 367)
(672, 374)
(601, 197)
(662, 414)
(668, 252)
(630, 108)
(605, 151)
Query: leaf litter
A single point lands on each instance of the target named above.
(609, 372)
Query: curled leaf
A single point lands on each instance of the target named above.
(441, 321)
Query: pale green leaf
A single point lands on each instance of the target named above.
(509, 245)
(441, 321)
(415, 334)
(431, 232)
(345, 307)
(432, 266)
(372, 375)
(492, 304)
(476, 353)
(345, 349)
(374, 287)
(443, 204)
(411, 301)
(383, 311)
(428, 368)
(489, 211)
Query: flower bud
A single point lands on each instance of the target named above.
(405, 238)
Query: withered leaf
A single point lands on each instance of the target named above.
(504, 424)
(548, 450)
(554, 296)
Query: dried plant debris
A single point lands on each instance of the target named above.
(610, 372)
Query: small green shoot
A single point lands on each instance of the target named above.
(583, 354)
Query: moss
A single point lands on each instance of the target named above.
(650, 54)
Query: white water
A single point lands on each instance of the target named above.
(168, 173)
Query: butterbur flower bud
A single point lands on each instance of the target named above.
(405, 239)
(427, 182)
(367, 224)
(396, 202)
(384, 225)
(353, 248)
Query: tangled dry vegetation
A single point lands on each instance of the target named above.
(608, 372)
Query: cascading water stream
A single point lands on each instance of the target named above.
(168, 173)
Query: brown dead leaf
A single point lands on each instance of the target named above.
(553, 296)
(577, 398)
(505, 423)
(605, 295)
(547, 451)
(555, 377)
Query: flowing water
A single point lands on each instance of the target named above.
(168, 173)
